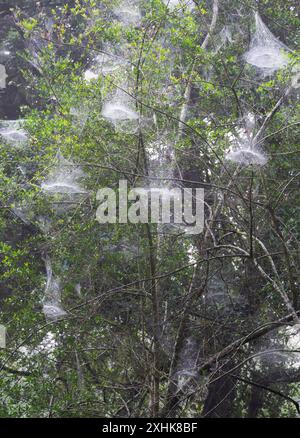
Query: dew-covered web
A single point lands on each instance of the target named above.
(105, 63)
(162, 173)
(12, 132)
(266, 52)
(64, 185)
(35, 45)
(24, 212)
(121, 112)
(246, 157)
(161, 158)
(179, 4)
(243, 147)
(224, 37)
(52, 306)
(186, 373)
(128, 13)
(161, 162)
(64, 178)
(80, 115)
(90, 75)
(296, 78)
(44, 223)
(279, 350)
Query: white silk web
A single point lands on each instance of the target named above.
(266, 52)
